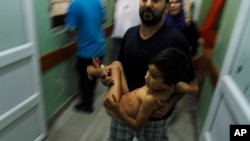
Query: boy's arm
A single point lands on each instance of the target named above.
(146, 109)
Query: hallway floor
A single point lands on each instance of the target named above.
(75, 126)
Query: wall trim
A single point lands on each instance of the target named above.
(56, 56)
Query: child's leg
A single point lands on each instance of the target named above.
(120, 83)
(95, 70)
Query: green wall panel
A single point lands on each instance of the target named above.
(59, 84)
(225, 30)
(206, 4)
(204, 102)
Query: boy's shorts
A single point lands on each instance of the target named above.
(152, 131)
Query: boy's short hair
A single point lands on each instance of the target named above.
(173, 63)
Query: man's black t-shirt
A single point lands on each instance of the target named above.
(135, 54)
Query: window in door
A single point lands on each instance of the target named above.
(58, 9)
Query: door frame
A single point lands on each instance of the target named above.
(225, 82)
(26, 50)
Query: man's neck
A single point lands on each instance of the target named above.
(148, 31)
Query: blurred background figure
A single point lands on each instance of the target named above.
(176, 18)
(126, 15)
(87, 25)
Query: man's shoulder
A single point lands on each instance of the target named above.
(133, 28)
(75, 5)
(173, 37)
(132, 31)
(171, 34)
(171, 31)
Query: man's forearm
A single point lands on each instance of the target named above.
(165, 107)
(175, 97)
(184, 87)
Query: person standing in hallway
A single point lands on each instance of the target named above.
(125, 16)
(176, 17)
(85, 18)
(138, 45)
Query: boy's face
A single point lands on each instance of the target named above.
(154, 78)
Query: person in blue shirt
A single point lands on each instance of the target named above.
(84, 19)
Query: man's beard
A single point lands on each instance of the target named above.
(150, 18)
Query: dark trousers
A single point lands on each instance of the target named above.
(86, 86)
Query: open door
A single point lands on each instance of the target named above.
(231, 101)
(21, 107)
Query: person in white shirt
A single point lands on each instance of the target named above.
(126, 15)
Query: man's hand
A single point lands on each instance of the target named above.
(111, 103)
(164, 107)
(106, 78)
(96, 62)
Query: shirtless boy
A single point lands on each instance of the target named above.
(134, 108)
